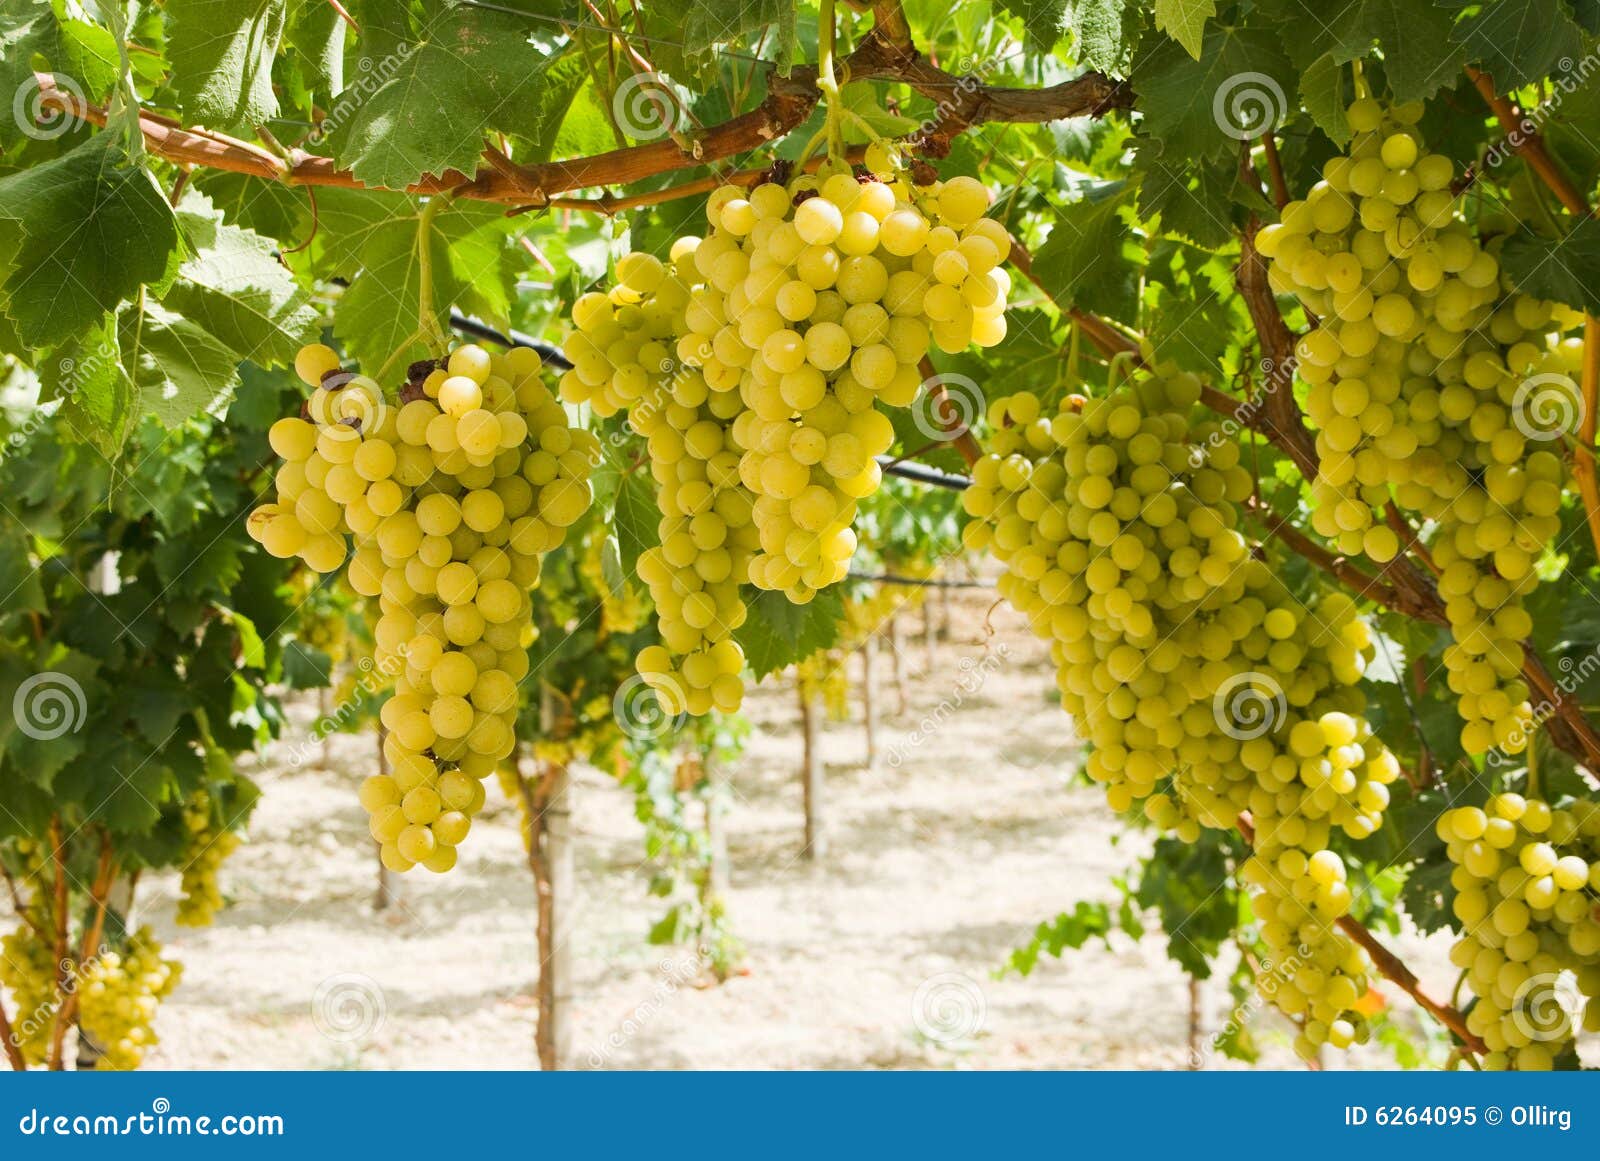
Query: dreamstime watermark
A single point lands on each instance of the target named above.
(946, 407)
(949, 1008)
(1573, 675)
(1248, 104)
(1248, 705)
(48, 705)
(1546, 407)
(41, 113)
(1547, 1006)
(672, 975)
(646, 106)
(1567, 78)
(971, 71)
(1270, 977)
(375, 677)
(639, 711)
(973, 676)
(348, 1007)
(72, 372)
(371, 78)
(1244, 417)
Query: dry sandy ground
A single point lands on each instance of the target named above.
(881, 956)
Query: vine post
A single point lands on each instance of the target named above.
(811, 776)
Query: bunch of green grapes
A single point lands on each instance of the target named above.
(820, 302)
(1205, 689)
(208, 846)
(625, 354)
(1527, 878)
(1419, 371)
(28, 970)
(119, 995)
(451, 499)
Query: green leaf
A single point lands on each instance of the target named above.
(1322, 91)
(252, 654)
(469, 72)
(1565, 270)
(1417, 59)
(1185, 21)
(181, 370)
(221, 52)
(100, 400)
(1518, 41)
(233, 286)
(78, 235)
(1205, 107)
(1194, 201)
(1044, 21)
(305, 667)
(1082, 262)
(20, 591)
(83, 56)
(635, 518)
(777, 633)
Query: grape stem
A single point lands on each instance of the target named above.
(89, 948)
(58, 1026)
(13, 1049)
(429, 325)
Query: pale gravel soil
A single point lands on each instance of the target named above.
(940, 866)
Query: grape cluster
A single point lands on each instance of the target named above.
(207, 847)
(626, 355)
(1417, 372)
(1527, 879)
(1205, 689)
(119, 992)
(451, 500)
(119, 995)
(754, 362)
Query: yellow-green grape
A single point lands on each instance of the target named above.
(450, 500)
(28, 970)
(200, 895)
(1206, 691)
(1525, 875)
(1419, 374)
(119, 993)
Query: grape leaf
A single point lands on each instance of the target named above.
(233, 286)
(181, 370)
(1185, 21)
(1322, 92)
(425, 106)
(221, 52)
(777, 633)
(635, 518)
(79, 234)
(1417, 61)
(83, 56)
(1196, 202)
(1082, 262)
(87, 373)
(1563, 270)
(1519, 41)
(1044, 21)
(1204, 108)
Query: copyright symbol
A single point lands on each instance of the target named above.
(1492, 1115)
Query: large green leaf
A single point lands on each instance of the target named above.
(78, 235)
(221, 53)
(232, 285)
(1202, 108)
(1082, 262)
(1185, 21)
(1560, 269)
(778, 633)
(1518, 41)
(425, 106)
(181, 370)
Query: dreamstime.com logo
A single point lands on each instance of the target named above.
(949, 1008)
(946, 407)
(35, 118)
(646, 106)
(348, 1007)
(1248, 705)
(48, 705)
(1547, 1007)
(1246, 105)
(370, 77)
(1547, 407)
(638, 710)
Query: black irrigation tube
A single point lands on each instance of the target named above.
(921, 474)
(551, 354)
(890, 578)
